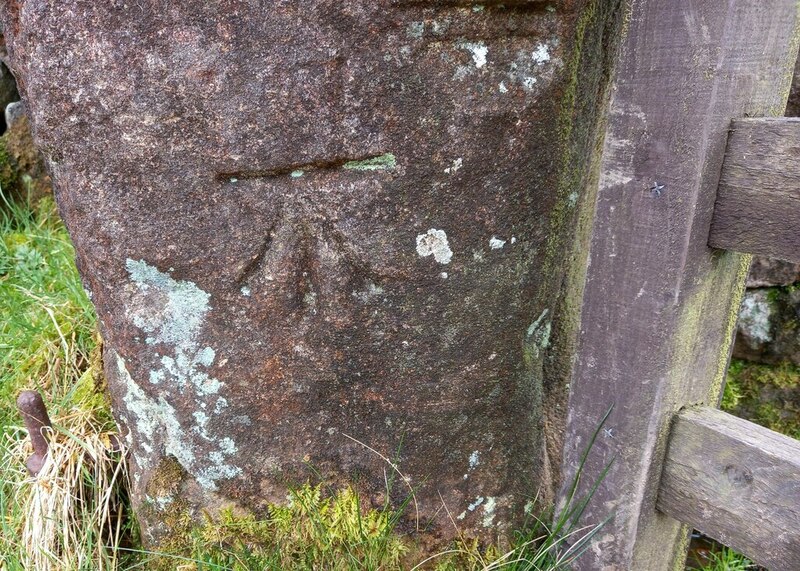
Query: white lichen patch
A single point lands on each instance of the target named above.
(369, 292)
(455, 167)
(755, 318)
(532, 67)
(434, 243)
(496, 243)
(479, 53)
(172, 314)
(159, 429)
(474, 460)
(489, 511)
(471, 507)
(246, 291)
(528, 509)
(478, 50)
(541, 54)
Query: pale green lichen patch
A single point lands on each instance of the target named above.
(538, 334)
(471, 507)
(157, 423)
(153, 418)
(382, 162)
(489, 511)
(178, 314)
(172, 313)
(416, 29)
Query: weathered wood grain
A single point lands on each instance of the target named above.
(758, 201)
(659, 305)
(736, 482)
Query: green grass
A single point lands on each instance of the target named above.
(48, 342)
(725, 560)
(47, 324)
(75, 515)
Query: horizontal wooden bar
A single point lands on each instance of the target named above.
(737, 482)
(758, 201)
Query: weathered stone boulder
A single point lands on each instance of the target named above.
(769, 326)
(766, 272)
(319, 231)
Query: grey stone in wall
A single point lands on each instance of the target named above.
(769, 326)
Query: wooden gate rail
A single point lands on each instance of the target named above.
(758, 201)
(731, 479)
(659, 307)
(737, 482)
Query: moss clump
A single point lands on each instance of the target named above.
(336, 533)
(8, 174)
(765, 394)
(312, 531)
(22, 171)
(382, 162)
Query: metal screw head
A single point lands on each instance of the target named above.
(657, 188)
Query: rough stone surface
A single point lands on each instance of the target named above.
(313, 227)
(14, 112)
(768, 330)
(766, 272)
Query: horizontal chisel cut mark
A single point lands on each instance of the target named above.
(385, 161)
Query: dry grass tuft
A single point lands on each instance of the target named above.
(73, 514)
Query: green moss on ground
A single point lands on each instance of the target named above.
(765, 394)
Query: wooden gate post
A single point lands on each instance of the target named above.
(659, 305)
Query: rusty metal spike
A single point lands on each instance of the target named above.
(34, 413)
